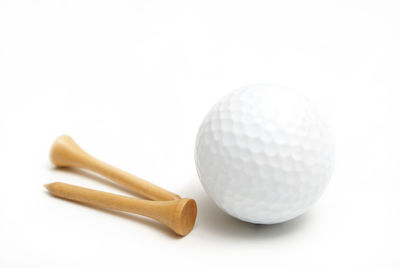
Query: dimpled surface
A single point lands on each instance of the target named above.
(263, 155)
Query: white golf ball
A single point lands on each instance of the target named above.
(263, 154)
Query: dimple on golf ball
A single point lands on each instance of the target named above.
(263, 154)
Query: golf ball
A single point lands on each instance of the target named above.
(263, 154)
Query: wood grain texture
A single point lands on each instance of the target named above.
(66, 153)
(179, 215)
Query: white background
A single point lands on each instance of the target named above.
(131, 82)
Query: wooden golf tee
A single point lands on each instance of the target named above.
(66, 153)
(179, 215)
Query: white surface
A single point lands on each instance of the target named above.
(264, 154)
(131, 82)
